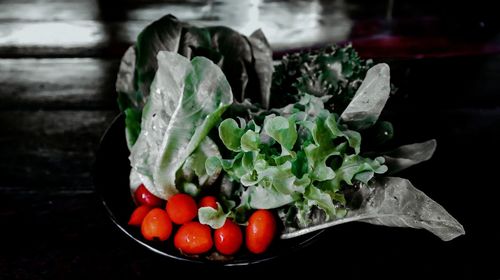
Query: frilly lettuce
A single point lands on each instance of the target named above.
(276, 168)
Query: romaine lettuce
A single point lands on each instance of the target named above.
(187, 99)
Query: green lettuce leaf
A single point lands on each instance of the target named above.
(282, 130)
(315, 196)
(125, 81)
(187, 100)
(193, 169)
(392, 201)
(250, 141)
(263, 61)
(215, 218)
(370, 98)
(133, 118)
(267, 198)
(355, 168)
(245, 61)
(130, 101)
(230, 134)
(163, 34)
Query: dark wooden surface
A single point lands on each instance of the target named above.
(58, 63)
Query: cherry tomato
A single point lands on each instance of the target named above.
(228, 238)
(208, 201)
(144, 197)
(181, 208)
(260, 231)
(193, 238)
(138, 215)
(156, 224)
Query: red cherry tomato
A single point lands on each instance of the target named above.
(156, 224)
(193, 238)
(228, 238)
(181, 208)
(260, 231)
(208, 201)
(144, 197)
(138, 215)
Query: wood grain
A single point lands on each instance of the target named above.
(50, 150)
(58, 29)
(67, 38)
(57, 84)
(48, 10)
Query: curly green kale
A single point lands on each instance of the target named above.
(332, 71)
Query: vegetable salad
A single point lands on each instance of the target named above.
(228, 149)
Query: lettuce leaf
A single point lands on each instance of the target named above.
(370, 98)
(392, 201)
(187, 100)
(193, 169)
(230, 134)
(130, 101)
(215, 218)
(245, 61)
(282, 130)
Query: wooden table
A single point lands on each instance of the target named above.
(58, 63)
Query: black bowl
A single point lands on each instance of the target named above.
(111, 179)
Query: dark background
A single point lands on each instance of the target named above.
(58, 63)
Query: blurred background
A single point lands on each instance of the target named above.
(385, 28)
(58, 65)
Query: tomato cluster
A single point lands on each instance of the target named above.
(192, 237)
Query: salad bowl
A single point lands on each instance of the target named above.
(111, 182)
